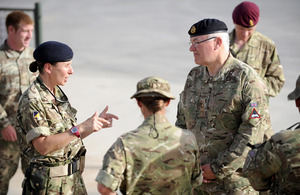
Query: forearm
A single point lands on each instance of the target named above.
(180, 122)
(51, 143)
(104, 190)
(274, 84)
(274, 76)
(232, 159)
(4, 121)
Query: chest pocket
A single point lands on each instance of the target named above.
(225, 105)
(259, 59)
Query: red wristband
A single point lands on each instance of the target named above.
(75, 131)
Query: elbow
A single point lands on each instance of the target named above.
(42, 150)
(40, 145)
(104, 190)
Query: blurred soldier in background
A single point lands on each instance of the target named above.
(15, 78)
(256, 50)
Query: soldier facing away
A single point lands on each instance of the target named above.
(224, 104)
(15, 78)
(275, 165)
(157, 157)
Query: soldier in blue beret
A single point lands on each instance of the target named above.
(224, 104)
(50, 137)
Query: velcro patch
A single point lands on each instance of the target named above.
(254, 114)
(36, 114)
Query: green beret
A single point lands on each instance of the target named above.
(207, 26)
(153, 87)
(53, 51)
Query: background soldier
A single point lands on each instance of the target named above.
(224, 104)
(15, 78)
(256, 50)
(157, 157)
(275, 164)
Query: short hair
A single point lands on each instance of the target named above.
(15, 18)
(224, 36)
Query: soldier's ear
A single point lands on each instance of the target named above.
(48, 68)
(218, 42)
(139, 103)
(167, 102)
(11, 29)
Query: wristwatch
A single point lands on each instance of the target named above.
(75, 131)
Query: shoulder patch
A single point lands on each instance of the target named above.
(254, 114)
(36, 114)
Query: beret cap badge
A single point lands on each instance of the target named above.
(251, 22)
(193, 29)
(207, 26)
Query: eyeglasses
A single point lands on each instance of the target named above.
(195, 44)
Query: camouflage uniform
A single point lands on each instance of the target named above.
(38, 115)
(15, 78)
(260, 52)
(275, 165)
(139, 164)
(226, 112)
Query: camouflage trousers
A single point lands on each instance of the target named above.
(9, 161)
(66, 185)
(213, 189)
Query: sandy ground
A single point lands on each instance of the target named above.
(117, 43)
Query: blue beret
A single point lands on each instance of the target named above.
(207, 26)
(53, 51)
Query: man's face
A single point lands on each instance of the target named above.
(23, 35)
(202, 47)
(243, 33)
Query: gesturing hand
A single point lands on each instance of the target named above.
(107, 116)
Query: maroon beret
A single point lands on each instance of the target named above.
(246, 14)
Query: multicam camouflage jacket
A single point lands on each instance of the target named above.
(39, 115)
(226, 112)
(260, 52)
(15, 78)
(137, 163)
(275, 164)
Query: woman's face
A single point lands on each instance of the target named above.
(61, 72)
